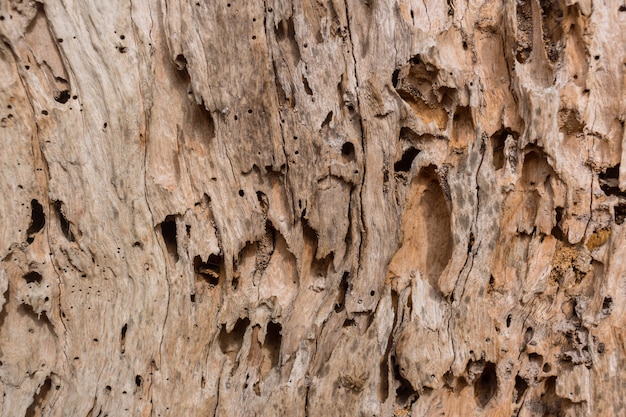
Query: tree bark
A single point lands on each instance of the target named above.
(315, 207)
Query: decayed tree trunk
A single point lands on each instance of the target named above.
(315, 207)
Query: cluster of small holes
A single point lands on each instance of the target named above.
(4, 121)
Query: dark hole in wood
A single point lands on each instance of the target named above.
(405, 394)
(349, 323)
(208, 119)
(33, 276)
(341, 295)
(609, 181)
(620, 213)
(285, 29)
(123, 338)
(138, 380)
(611, 172)
(498, 140)
(528, 335)
(347, 151)
(168, 231)
(486, 385)
(208, 271)
(549, 398)
(273, 340)
(263, 201)
(36, 407)
(65, 225)
(62, 96)
(394, 77)
(235, 283)
(383, 387)
(231, 342)
(520, 388)
(307, 87)
(557, 232)
(404, 164)
(37, 219)
(328, 119)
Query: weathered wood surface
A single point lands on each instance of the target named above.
(314, 207)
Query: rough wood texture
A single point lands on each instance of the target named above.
(316, 207)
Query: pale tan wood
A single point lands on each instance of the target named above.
(307, 208)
